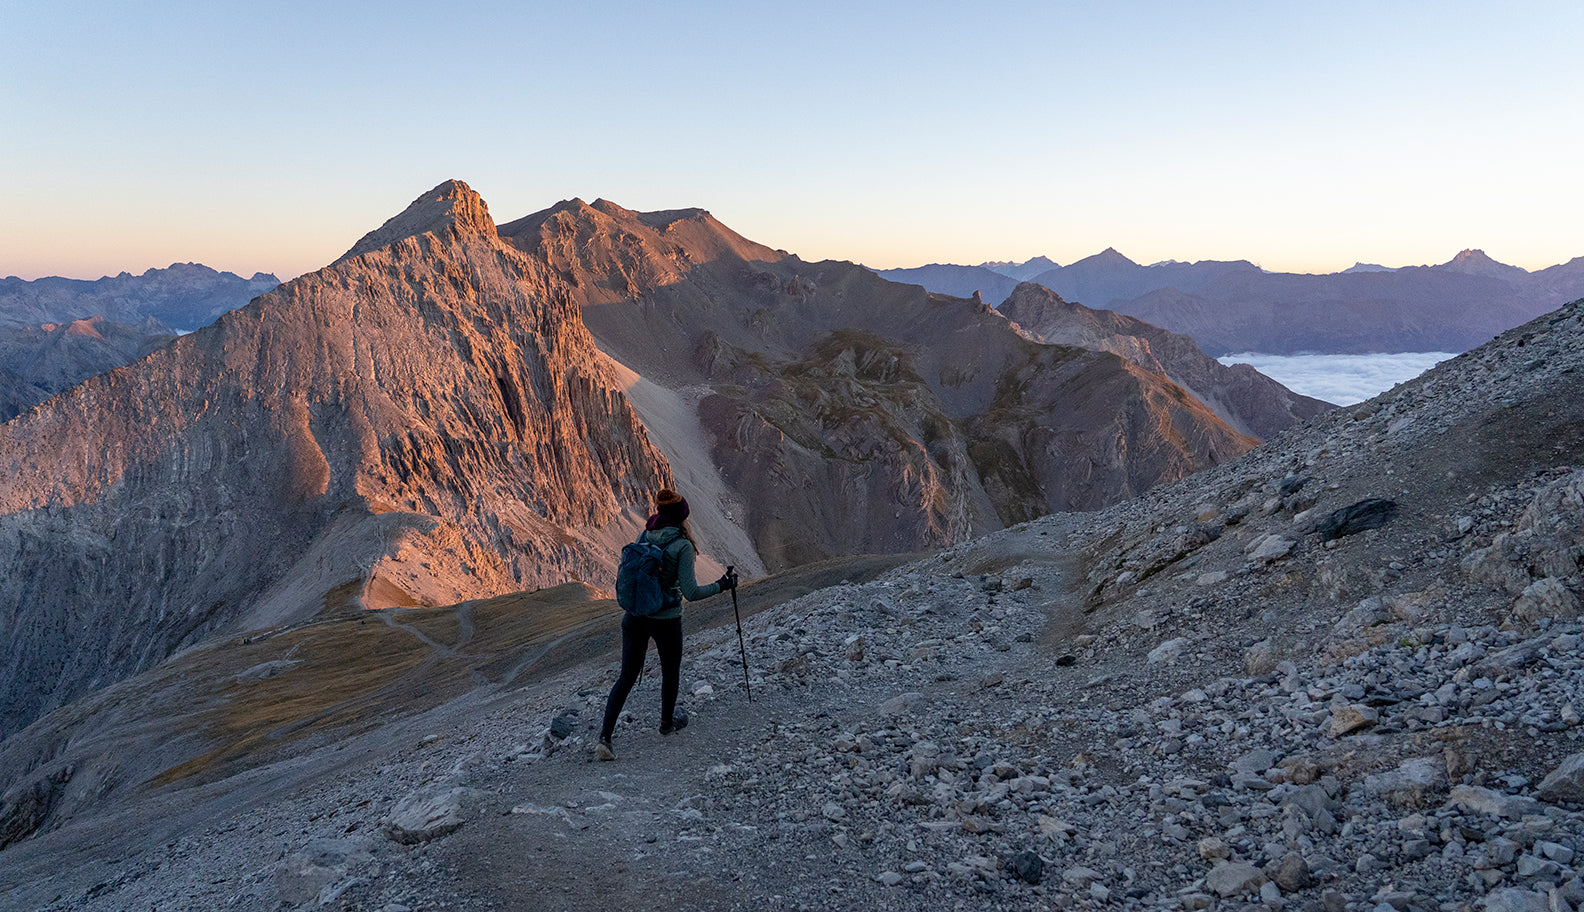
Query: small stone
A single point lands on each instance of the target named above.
(1293, 873)
(1270, 548)
(1349, 718)
(890, 878)
(1546, 598)
(1234, 878)
(1261, 659)
(1566, 782)
(1213, 578)
(564, 724)
(903, 703)
(1027, 867)
(1492, 803)
(833, 812)
(1514, 899)
(1269, 892)
(1168, 651)
(1213, 849)
(1412, 784)
(424, 816)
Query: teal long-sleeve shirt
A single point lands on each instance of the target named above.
(677, 568)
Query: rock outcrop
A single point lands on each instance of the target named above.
(424, 422)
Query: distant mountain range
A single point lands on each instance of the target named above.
(1234, 306)
(57, 332)
(182, 296)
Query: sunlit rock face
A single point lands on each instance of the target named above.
(425, 421)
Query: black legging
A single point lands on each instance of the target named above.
(636, 633)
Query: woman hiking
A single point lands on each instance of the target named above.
(667, 528)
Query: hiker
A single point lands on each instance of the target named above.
(667, 528)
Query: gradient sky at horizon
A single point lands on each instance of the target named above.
(1304, 137)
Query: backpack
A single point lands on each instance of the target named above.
(638, 588)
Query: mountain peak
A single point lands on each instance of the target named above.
(451, 206)
(1107, 257)
(1475, 262)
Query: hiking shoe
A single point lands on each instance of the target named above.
(679, 721)
(603, 750)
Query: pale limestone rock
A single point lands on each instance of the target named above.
(1234, 878)
(1349, 718)
(424, 816)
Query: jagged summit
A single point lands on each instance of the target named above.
(451, 206)
(1477, 262)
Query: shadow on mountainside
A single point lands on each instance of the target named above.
(244, 704)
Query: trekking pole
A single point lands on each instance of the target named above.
(740, 645)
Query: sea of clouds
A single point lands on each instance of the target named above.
(1340, 379)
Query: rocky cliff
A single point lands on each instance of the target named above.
(1243, 397)
(423, 422)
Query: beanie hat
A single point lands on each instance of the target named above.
(671, 506)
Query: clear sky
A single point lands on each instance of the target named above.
(1305, 137)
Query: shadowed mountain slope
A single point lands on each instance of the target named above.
(1243, 397)
(853, 414)
(37, 362)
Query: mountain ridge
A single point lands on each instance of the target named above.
(1233, 306)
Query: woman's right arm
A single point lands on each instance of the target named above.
(686, 581)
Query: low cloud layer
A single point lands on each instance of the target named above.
(1342, 379)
